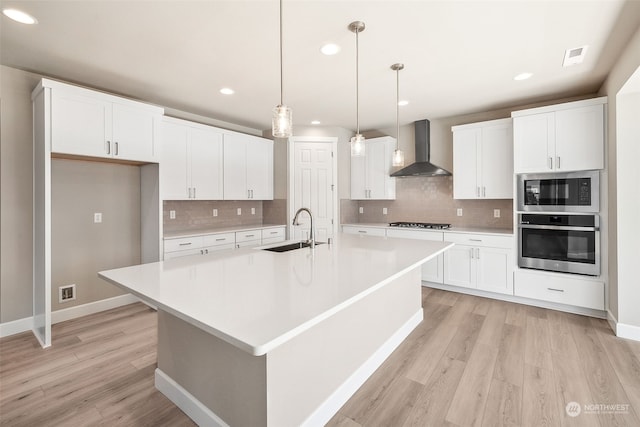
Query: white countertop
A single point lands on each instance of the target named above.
(471, 230)
(257, 299)
(209, 230)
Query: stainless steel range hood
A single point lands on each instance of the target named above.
(422, 165)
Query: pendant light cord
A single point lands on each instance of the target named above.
(281, 78)
(357, 86)
(397, 108)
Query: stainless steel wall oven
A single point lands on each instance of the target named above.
(563, 243)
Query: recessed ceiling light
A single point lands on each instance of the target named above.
(574, 56)
(523, 76)
(227, 91)
(330, 49)
(315, 122)
(19, 16)
(403, 103)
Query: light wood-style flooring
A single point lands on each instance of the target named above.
(472, 361)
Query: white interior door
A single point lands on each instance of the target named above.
(313, 186)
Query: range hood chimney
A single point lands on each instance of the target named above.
(422, 165)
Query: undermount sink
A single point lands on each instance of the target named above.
(290, 247)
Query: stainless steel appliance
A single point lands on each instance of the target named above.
(564, 243)
(559, 192)
(429, 225)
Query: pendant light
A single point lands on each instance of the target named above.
(398, 155)
(357, 142)
(282, 120)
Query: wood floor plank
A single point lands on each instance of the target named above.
(432, 405)
(465, 338)
(394, 408)
(510, 361)
(468, 403)
(537, 345)
(504, 405)
(539, 399)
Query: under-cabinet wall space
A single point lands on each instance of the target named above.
(198, 214)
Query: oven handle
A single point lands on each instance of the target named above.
(559, 227)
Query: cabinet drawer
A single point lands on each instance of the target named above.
(270, 240)
(272, 233)
(369, 231)
(218, 247)
(171, 245)
(178, 254)
(489, 240)
(219, 239)
(247, 236)
(436, 236)
(560, 289)
(248, 244)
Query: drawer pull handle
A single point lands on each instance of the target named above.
(274, 232)
(556, 290)
(185, 244)
(362, 231)
(249, 235)
(475, 240)
(221, 239)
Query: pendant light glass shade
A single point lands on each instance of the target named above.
(398, 155)
(282, 121)
(398, 158)
(357, 145)
(357, 142)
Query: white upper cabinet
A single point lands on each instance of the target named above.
(248, 167)
(483, 160)
(191, 165)
(560, 138)
(95, 124)
(370, 174)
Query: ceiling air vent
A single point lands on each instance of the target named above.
(574, 56)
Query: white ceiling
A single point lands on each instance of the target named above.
(460, 56)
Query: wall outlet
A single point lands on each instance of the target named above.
(97, 217)
(459, 211)
(384, 211)
(172, 214)
(361, 209)
(496, 213)
(239, 211)
(253, 211)
(215, 212)
(66, 293)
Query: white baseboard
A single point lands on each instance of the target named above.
(203, 416)
(630, 332)
(16, 327)
(339, 397)
(26, 324)
(91, 308)
(613, 322)
(184, 400)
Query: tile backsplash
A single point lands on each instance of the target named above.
(429, 199)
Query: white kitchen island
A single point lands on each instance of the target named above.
(259, 338)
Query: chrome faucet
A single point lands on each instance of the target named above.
(311, 240)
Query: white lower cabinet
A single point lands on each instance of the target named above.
(204, 244)
(433, 270)
(560, 288)
(480, 261)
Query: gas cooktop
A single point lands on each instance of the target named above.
(419, 225)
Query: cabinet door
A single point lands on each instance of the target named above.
(173, 165)
(205, 153)
(459, 266)
(260, 168)
(496, 163)
(534, 143)
(80, 124)
(377, 170)
(132, 133)
(235, 167)
(580, 138)
(433, 270)
(495, 270)
(465, 164)
(358, 177)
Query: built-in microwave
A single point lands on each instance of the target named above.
(559, 192)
